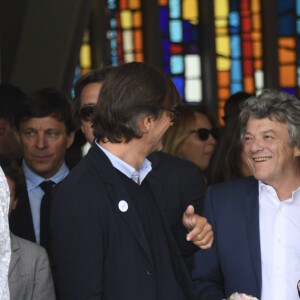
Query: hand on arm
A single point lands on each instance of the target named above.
(200, 231)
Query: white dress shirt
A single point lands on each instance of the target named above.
(279, 225)
(5, 250)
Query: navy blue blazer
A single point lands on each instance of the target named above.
(100, 252)
(233, 264)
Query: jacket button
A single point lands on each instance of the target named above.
(149, 272)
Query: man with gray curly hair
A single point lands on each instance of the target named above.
(256, 219)
(5, 251)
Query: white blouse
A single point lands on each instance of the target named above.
(4, 237)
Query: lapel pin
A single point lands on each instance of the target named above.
(123, 206)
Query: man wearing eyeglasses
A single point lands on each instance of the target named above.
(121, 245)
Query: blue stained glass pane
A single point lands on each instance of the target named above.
(236, 70)
(113, 23)
(234, 5)
(298, 26)
(235, 45)
(163, 17)
(292, 91)
(285, 5)
(113, 44)
(175, 31)
(179, 83)
(176, 64)
(234, 19)
(194, 32)
(187, 37)
(286, 25)
(166, 58)
(167, 69)
(113, 34)
(111, 4)
(234, 30)
(175, 9)
(186, 25)
(298, 7)
(236, 87)
(166, 45)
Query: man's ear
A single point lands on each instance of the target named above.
(297, 152)
(14, 203)
(70, 139)
(146, 123)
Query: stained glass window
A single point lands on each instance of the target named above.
(180, 46)
(288, 46)
(125, 31)
(238, 48)
(85, 58)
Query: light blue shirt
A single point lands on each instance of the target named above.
(136, 175)
(35, 193)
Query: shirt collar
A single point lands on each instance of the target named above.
(33, 180)
(127, 169)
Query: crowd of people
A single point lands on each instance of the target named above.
(165, 205)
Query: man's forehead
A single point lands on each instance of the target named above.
(43, 123)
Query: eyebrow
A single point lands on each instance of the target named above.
(263, 132)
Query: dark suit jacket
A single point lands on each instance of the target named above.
(29, 276)
(98, 251)
(20, 221)
(233, 264)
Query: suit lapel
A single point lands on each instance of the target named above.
(252, 217)
(14, 254)
(117, 192)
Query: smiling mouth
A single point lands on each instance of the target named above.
(259, 159)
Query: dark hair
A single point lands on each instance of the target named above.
(13, 170)
(130, 92)
(45, 102)
(94, 76)
(226, 162)
(10, 97)
(234, 104)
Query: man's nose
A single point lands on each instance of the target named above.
(41, 141)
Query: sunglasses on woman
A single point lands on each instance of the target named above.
(203, 133)
(87, 112)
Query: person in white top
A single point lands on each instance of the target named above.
(5, 250)
(256, 219)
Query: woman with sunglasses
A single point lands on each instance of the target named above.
(193, 136)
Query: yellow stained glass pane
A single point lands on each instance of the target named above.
(258, 64)
(255, 6)
(127, 40)
(221, 23)
(85, 56)
(126, 19)
(137, 19)
(223, 94)
(223, 64)
(134, 4)
(163, 2)
(256, 22)
(256, 36)
(221, 8)
(287, 76)
(286, 56)
(190, 10)
(287, 42)
(223, 45)
(222, 31)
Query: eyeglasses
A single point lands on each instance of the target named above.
(87, 112)
(174, 113)
(203, 133)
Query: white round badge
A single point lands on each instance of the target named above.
(123, 206)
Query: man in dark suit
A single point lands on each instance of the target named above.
(178, 182)
(45, 128)
(256, 219)
(110, 239)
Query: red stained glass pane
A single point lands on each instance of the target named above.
(176, 49)
(247, 49)
(248, 67)
(246, 24)
(123, 4)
